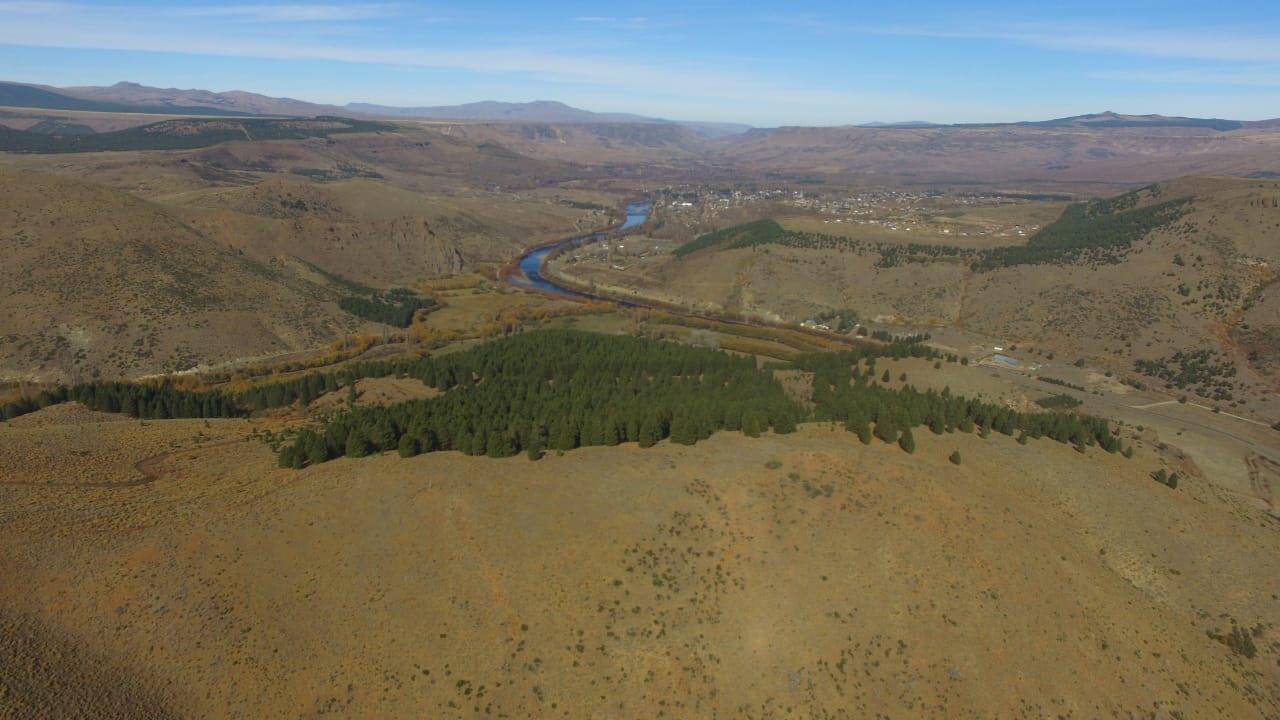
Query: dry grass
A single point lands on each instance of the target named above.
(752, 578)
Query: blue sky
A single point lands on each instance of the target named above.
(778, 63)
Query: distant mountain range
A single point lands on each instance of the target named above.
(132, 97)
(1107, 119)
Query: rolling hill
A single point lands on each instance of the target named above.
(182, 134)
(97, 283)
(1086, 155)
(36, 96)
(1175, 282)
(135, 98)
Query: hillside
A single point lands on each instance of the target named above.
(1171, 285)
(96, 282)
(275, 231)
(130, 97)
(47, 98)
(235, 101)
(375, 232)
(592, 144)
(1051, 155)
(183, 134)
(542, 111)
(789, 574)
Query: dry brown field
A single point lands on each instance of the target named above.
(799, 575)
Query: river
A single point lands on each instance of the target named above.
(531, 263)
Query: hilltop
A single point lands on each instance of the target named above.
(802, 573)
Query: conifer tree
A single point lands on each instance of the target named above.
(907, 441)
(864, 433)
(408, 446)
(684, 429)
(357, 445)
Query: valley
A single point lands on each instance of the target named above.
(515, 411)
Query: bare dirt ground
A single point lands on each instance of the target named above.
(786, 576)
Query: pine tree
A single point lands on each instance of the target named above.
(885, 430)
(907, 441)
(565, 438)
(684, 429)
(357, 444)
(498, 445)
(317, 450)
(864, 433)
(650, 432)
(408, 446)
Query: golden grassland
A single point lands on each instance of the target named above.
(801, 574)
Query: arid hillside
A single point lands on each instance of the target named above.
(100, 283)
(797, 575)
(372, 231)
(1199, 282)
(136, 262)
(590, 144)
(1073, 157)
(1059, 157)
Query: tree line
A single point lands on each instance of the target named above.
(1099, 231)
(845, 390)
(150, 401)
(562, 389)
(395, 307)
(559, 389)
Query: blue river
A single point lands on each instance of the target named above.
(531, 263)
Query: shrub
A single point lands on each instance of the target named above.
(1166, 478)
(955, 457)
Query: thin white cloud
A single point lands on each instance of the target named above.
(602, 77)
(90, 29)
(1245, 78)
(1236, 44)
(287, 12)
(610, 20)
(264, 12)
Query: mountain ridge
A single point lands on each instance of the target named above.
(128, 96)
